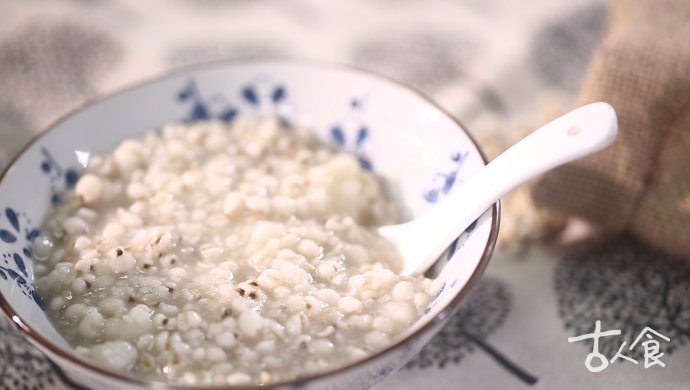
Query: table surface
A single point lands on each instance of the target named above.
(501, 67)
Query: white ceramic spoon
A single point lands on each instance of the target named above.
(576, 134)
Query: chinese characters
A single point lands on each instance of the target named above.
(596, 361)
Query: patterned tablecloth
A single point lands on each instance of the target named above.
(501, 67)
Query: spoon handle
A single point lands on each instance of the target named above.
(574, 135)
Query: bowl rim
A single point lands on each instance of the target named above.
(440, 318)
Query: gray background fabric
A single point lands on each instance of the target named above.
(501, 67)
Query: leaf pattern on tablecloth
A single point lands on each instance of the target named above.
(23, 367)
(11, 120)
(50, 66)
(212, 5)
(426, 60)
(561, 50)
(483, 311)
(202, 52)
(627, 285)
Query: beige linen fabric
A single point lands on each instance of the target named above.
(642, 182)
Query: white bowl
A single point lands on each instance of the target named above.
(420, 151)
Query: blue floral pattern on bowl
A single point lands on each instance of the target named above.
(351, 133)
(222, 107)
(19, 235)
(444, 180)
(205, 108)
(443, 183)
(60, 179)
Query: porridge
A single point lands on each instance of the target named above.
(225, 254)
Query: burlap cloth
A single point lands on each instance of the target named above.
(641, 183)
